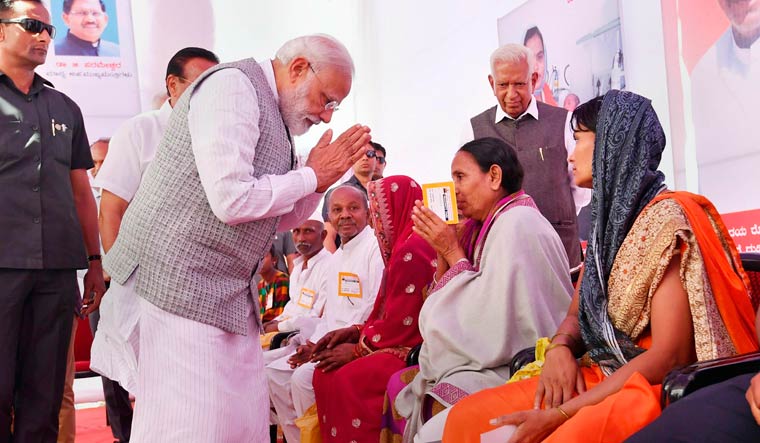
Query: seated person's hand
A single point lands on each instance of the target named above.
(753, 397)
(532, 426)
(302, 355)
(271, 326)
(560, 379)
(332, 359)
(439, 235)
(337, 337)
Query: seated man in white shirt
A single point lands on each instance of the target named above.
(308, 282)
(355, 273)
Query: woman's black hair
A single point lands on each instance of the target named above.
(493, 151)
(587, 114)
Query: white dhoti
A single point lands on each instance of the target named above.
(116, 346)
(197, 382)
(291, 393)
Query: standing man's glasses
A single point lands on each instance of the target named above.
(31, 25)
(331, 105)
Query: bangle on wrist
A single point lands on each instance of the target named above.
(562, 411)
(95, 257)
(557, 345)
(570, 336)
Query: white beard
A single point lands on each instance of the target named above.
(293, 109)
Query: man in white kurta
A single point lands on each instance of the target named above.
(355, 275)
(228, 143)
(132, 148)
(308, 281)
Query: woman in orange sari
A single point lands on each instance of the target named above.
(662, 286)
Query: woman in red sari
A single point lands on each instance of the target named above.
(356, 362)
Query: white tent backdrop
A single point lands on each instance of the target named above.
(421, 66)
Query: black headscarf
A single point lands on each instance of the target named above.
(627, 151)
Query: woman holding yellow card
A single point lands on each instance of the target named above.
(500, 285)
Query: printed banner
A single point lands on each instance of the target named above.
(744, 228)
(92, 59)
(578, 47)
(711, 49)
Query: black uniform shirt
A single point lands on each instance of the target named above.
(42, 138)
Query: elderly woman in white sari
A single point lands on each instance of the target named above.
(499, 287)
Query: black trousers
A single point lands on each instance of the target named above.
(717, 413)
(118, 406)
(35, 327)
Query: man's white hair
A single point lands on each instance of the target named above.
(513, 53)
(321, 50)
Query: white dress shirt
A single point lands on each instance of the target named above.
(307, 291)
(131, 150)
(581, 196)
(360, 258)
(223, 122)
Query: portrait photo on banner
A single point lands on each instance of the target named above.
(578, 47)
(85, 27)
(713, 69)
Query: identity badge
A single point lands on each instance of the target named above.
(306, 298)
(349, 285)
(440, 198)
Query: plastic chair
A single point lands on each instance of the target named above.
(683, 381)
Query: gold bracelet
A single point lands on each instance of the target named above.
(562, 411)
(563, 333)
(557, 345)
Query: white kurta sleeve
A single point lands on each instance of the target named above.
(122, 168)
(223, 122)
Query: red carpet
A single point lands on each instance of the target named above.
(91, 426)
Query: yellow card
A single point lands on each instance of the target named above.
(440, 198)
(349, 285)
(306, 299)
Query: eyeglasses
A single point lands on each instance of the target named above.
(31, 25)
(331, 105)
(94, 14)
(380, 160)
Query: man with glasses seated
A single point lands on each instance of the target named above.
(48, 227)
(86, 20)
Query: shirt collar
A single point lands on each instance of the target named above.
(164, 112)
(298, 261)
(744, 56)
(354, 243)
(38, 83)
(76, 41)
(532, 110)
(266, 66)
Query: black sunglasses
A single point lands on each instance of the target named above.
(31, 25)
(373, 154)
